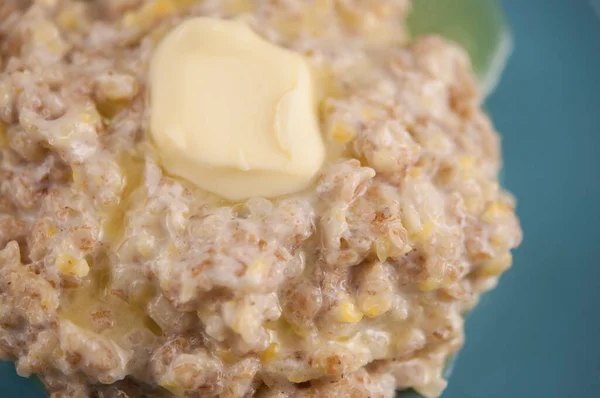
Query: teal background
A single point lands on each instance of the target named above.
(538, 334)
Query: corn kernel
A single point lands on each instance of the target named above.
(298, 378)
(497, 240)
(496, 211)
(47, 35)
(130, 19)
(51, 232)
(173, 388)
(414, 172)
(270, 353)
(496, 266)
(257, 270)
(424, 233)
(373, 306)
(341, 133)
(366, 114)
(351, 18)
(89, 117)
(382, 249)
(348, 312)
(70, 265)
(67, 20)
(385, 161)
(172, 250)
(47, 302)
(411, 219)
(343, 339)
(429, 285)
(339, 216)
(152, 11)
(163, 7)
(467, 164)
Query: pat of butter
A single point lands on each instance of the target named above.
(232, 112)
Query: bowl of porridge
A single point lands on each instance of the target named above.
(230, 198)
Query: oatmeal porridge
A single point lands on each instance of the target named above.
(121, 278)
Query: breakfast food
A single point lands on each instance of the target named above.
(125, 274)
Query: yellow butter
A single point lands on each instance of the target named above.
(232, 112)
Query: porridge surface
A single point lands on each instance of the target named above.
(118, 280)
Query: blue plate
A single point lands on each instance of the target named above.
(538, 334)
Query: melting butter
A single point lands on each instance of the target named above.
(233, 113)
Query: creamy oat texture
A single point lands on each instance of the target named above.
(118, 280)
